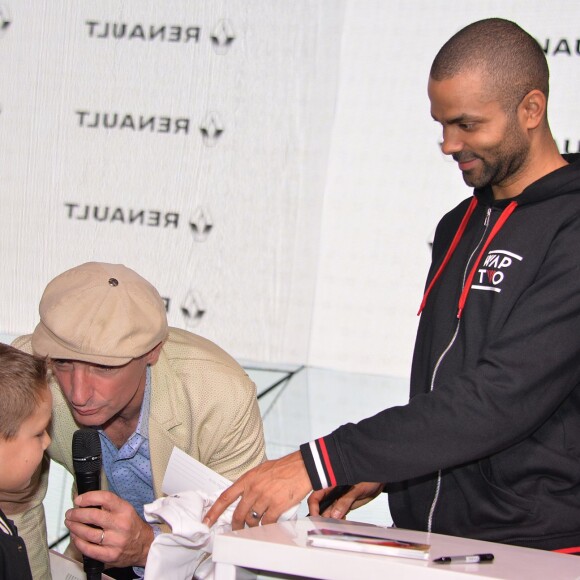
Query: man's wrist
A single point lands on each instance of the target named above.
(149, 536)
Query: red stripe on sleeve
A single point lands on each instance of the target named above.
(327, 461)
(575, 550)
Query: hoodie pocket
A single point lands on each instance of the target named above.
(504, 495)
(498, 504)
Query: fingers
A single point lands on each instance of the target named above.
(242, 515)
(356, 496)
(91, 541)
(267, 490)
(341, 506)
(314, 500)
(254, 517)
(227, 498)
(272, 515)
(89, 534)
(77, 517)
(114, 534)
(105, 499)
(101, 552)
(369, 491)
(257, 516)
(251, 508)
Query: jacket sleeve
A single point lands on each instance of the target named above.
(235, 443)
(520, 380)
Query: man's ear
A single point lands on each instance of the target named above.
(532, 109)
(153, 355)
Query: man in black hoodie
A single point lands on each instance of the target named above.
(489, 445)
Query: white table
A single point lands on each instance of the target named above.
(281, 548)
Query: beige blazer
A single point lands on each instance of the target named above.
(202, 402)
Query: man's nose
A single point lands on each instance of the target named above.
(80, 391)
(451, 143)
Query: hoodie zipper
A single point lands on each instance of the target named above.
(442, 356)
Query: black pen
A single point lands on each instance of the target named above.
(475, 559)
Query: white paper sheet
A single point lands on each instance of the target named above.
(184, 473)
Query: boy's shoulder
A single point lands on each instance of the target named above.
(13, 556)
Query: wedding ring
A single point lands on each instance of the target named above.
(102, 537)
(255, 515)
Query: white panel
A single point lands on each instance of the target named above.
(80, 186)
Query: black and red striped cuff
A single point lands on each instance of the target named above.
(317, 460)
(574, 551)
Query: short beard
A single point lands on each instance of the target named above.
(511, 157)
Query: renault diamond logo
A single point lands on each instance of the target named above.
(201, 225)
(5, 20)
(222, 37)
(211, 129)
(192, 309)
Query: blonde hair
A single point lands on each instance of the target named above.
(23, 378)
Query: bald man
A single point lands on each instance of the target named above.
(489, 445)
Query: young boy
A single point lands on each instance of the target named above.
(25, 410)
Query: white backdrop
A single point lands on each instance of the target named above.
(286, 179)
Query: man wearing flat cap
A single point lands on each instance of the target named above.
(146, 388)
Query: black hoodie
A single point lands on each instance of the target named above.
(489, 445)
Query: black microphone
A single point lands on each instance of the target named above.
(86, 453)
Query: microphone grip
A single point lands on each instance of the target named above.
(87, 462)
(87, 481)
(90, 481)
(93, 568)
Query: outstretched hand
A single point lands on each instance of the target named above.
(357, 496)
(265, 492)
(114, 534)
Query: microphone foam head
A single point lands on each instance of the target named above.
(86, 450)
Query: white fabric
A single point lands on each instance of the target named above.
(185, 553)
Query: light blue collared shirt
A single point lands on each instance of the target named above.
(128, 469)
